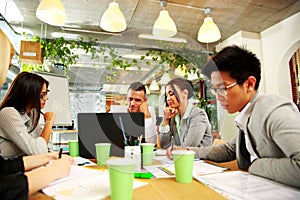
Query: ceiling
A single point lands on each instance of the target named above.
(83, 17)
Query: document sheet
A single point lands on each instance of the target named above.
(167, 168)
(242, 185)
(83, 183)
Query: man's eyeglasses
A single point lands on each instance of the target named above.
(43, 95)
(222, 91)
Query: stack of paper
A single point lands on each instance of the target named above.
(167, 168)
(242, 185)
(83, 183)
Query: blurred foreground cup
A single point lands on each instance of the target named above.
(121, 173)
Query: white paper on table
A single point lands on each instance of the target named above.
(158, 172)
(168, 170)
(163, 159)
(242, 185)
(91, 185)
(160, 152)
(200, 168)
(83, 161)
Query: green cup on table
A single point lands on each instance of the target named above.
(147, 153)
(121, 173)
(102, 152)
(184, 163)
(73, 148)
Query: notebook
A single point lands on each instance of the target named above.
(106, 127)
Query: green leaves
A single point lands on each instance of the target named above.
(169, 57)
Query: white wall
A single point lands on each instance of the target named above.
(279, 43)
(274, 47)
(249, 40)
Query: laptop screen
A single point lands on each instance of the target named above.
(107, 128)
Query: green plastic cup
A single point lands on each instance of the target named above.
(102, 152)
(147, 153)
(121, 173)
(73, 148)
(184, 163)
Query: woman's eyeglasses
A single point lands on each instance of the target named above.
(43, 95)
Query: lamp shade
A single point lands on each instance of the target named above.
(113, 19)
(209, 31)
(51, 12)
(164, 26)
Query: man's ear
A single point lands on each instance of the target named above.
(185, 93)
(251, 81)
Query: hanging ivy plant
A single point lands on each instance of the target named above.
(33, 67)
(189, 61)
(170, 57)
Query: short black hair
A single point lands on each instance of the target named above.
(239, 62)
(137, 86)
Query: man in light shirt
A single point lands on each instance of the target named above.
(267, 143)
(137, 102)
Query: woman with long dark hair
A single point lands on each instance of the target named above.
(20, 176)
(183, 125)
(20, 112)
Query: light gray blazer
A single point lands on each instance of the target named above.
(195, 131)
(273, 125)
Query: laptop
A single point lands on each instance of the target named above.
(107, 128)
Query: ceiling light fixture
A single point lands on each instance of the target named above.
(10, 11)
(147, 90)
(51, 12)
(164, 26)
(113, 19)
(209, 31)
(154, 86)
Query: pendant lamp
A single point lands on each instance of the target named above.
(51, 12)
(154, 86)
(113, 19)
(164, 26)
(209, 31)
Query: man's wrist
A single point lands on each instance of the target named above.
(148, 115)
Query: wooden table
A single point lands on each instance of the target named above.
(166, 188)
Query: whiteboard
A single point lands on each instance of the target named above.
(59, 98)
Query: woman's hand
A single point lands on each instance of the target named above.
(55, 156)
(169, 112)
(61, 167)
(170, 149)
(49, 117)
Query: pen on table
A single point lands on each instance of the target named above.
(60, 152)
(142, 167)
(123, 131)
(84, 163)
(172, 143)
(139, 140)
